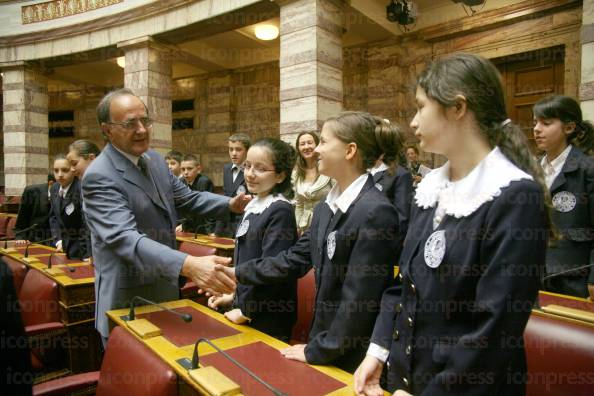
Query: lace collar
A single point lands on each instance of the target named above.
(463, 197)
(257, 205)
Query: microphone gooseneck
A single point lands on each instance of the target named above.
(131, 316)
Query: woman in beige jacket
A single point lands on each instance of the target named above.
(310, 187)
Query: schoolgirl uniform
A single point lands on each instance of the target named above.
(268, 227)
(398, 190)
(349, 245)
(570, 178)
(66, 219)
(452, 323)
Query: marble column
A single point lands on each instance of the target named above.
(587, 83)
(148, 74)
(310, 64)
(25, 126)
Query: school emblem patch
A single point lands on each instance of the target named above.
(243, 228)
(564, 201)
(435, 249)
(331, 244)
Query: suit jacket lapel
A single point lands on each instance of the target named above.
(133, 175)
(238, 180)
(571, 164)
(325, 217)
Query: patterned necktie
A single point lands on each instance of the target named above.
(142, 165)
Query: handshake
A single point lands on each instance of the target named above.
(211, 274)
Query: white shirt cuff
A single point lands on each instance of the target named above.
(378, 352)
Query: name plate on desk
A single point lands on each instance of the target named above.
(213, 382)
(569, 313)
(143, 328)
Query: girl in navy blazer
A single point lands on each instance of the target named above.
(396, 182)
(452, 323)
(558, 131)
(267, 228)
(66, 218)
(80, 155)
(350, 245)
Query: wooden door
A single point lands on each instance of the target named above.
(528, 77)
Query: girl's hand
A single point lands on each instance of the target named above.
(367, 377)
(295, 352)
(401, 393)
(223, 301)
(236, 316)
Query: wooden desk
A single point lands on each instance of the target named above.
(577, 309)
(224, 246)
(254, 349)
(76, 297)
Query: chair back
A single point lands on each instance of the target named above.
(39, 299)
(306, 293)
(130, 368)
(19, 270)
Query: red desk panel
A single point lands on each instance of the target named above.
(291, 377)
(181, 333)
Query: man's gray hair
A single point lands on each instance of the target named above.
(103, 114)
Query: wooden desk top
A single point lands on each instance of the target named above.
(207, 240)
(564, 307)
(256, 350)
(38, 259)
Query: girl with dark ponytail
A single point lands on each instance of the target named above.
(565, 138)
(472, 259)
(351, 244)
(391, 178)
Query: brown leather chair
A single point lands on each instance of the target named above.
(189, 289)
(129, 369)
(560, 355)
(19, 270)
(40, 311)
(306, 294)
(3, 224)
(10, 227)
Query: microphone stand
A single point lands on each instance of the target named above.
(195, 361)
(32, 243)
(131, 316)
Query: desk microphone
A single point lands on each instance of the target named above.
(569, 271)
(49, 260)
(25, 230)
(6, 239)
(36, 242)
(186, 317)
(195, 361)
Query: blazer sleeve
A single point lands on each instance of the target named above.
(113, 223)
(54, 221)
(289, 264)
(590, 192)
(369, 271)
(402, 202)
(513, 254)
(25, 213)
(280, 235)
(384, 324)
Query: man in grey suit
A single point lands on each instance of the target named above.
(131, 200)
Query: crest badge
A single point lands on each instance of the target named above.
(331, 244)
(243, 228)
(435, 249)
(564, 201)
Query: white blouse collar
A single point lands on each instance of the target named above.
(381, 167)
(257, 205)
(463, 197)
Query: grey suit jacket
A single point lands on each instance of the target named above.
(132, 222)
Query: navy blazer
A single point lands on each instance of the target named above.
(69, 228)
(398, 190)
(226, 228)
(200, 224)
(34, 209)
(349, 284)
(271, 308)
(457, 329)
(576, 225)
